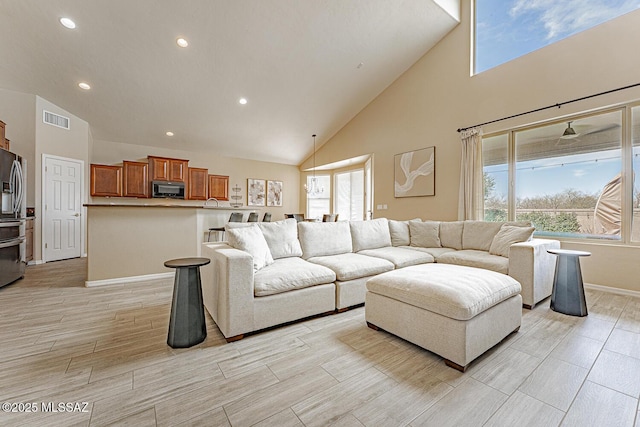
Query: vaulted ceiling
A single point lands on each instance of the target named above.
(304, 66)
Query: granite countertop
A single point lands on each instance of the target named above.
(164, 205)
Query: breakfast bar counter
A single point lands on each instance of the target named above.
(129, 242)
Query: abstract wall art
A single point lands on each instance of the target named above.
(415, 173)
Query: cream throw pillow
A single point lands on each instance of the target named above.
(425, 234)
(251, 240)
(282, 238)
(507, 236)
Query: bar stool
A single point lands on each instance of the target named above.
(187, 326)
(253, 217)
(235, 217)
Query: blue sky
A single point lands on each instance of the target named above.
(507, 29)
(584, 172)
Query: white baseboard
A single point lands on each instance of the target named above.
(612, 290)
(130, 279)
(35, 262)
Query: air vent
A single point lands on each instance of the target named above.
(55, 119)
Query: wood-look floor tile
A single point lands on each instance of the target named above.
(404, 401)
(596, 405)
(215, 418)
(300, 362)
(286, 418)
(507, 370)
(618, 372)
(578, 350)
(145, 418)
(544, 336)
(555, 382)
(594, 328)
(354, 362)
(331, 404)
(249, 361)
(213, 394)
(480, 402)
(525, 411)
(624, 342)
(277, 397)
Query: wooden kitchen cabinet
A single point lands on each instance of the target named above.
(219, 187)
(106, 180)
(198, 183)
(166, 169)
(135, 181)
(28, 234)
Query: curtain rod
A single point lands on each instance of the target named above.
(560, 104)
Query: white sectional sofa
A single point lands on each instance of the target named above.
(268, 274)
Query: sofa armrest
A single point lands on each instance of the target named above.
(227, 288)
(533, 267)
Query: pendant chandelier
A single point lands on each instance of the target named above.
(314, 188)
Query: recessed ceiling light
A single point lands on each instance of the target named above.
(84, 86)
(169, 133)
(242, 101)
(182, 42)
(68, 23)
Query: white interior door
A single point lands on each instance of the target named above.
(62, 195)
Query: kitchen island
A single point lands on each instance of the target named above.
(129, 242)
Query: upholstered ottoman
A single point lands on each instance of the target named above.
(454, 311)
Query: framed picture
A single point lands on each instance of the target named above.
(415, 173)
(274, 193)
(255, 192)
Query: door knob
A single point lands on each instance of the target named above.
(76, 214)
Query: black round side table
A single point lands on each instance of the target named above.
(187, 325)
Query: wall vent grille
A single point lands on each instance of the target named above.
(55, 119)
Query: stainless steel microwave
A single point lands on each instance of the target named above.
(166, 189)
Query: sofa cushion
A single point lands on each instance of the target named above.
(324, 238)
(399, 231)
(371, 234)
(507, 236)
(251, 240)
(425, 234)
(449, 290)
(400, 257)
(282, 238)
(479, 234)
(474, 258)
(451, 234)
(353, 266)
(434, 252)
(290, 273)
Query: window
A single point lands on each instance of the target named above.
(319, 204)
(635, 138)
(505, 30)
(567, 176)
(349, 199)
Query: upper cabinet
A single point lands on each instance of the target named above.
(219, 187)
(135, 181)
(198, 183)
(166, 169)
(106, 181)
(4, 142)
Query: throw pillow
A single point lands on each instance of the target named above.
(507, 236)
(399, 231)
(251, 240)
(451, 234)
(282, 238)
(371, 234)
(425, 234)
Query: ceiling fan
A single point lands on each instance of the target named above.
(570, 136)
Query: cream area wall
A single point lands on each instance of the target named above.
(17, 111)
(437, 95)
(238, 170)
(51, 140)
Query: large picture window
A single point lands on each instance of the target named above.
(349, 200)
(319, 203)
(567, 176)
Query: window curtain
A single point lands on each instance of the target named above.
(470, 202)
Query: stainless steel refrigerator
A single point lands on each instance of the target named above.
(12, 218)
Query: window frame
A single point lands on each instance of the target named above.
(626, 148)
(327, 191)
